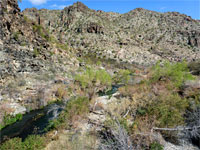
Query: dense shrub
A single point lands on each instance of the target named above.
(122, 76)
(168, 110)
(33, 142)
(156, 146)
(164, 111)
(177, 73)
(92, 81)
(12, 144)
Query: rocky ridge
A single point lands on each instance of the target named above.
(138, 37)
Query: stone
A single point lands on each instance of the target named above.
(17, 108)
(195, 84)
(187, 146)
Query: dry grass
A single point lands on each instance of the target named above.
(127, 90)
(115, 110)
(61, 92)
(73, 141)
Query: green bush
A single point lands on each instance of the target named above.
(156, 146)
(92, 81)
(93, 77)
(177, 73)
(122, 76)
(12, 144)
(168, 110)
(32, 142)
(9, 119)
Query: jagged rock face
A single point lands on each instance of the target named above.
(28, 60)
(23, 42)
(94, 28)
(16, 32)
(79, 7)
(137, 37)
(6, 8)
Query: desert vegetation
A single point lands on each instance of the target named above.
(83, 79)
(33, 142)
(143, 111)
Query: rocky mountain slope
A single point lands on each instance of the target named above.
(29, 63)
(138, 37)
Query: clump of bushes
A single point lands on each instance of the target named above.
(165, 111)
(168, 110)
(156, 146)
(92, 81)
(176, 72)
(158, 103)
(122, 76)
(32, 142)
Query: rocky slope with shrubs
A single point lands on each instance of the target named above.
(138, 37)
(29, 63)
(103, 68)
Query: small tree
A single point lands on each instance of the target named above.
(92, 81)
